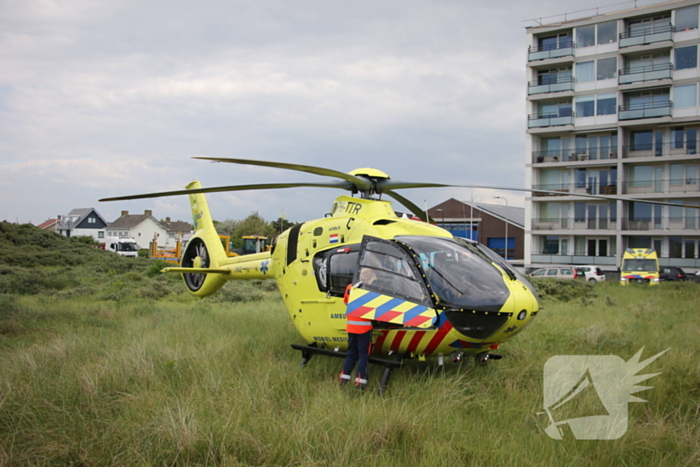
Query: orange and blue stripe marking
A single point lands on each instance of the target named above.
(375, 306)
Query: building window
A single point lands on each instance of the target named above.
(649, 25)
(676, 174)
(560, 41)
(675, 247)
(558, 109)
(606, 104)
(585, 36)
(647, 99)
(551, 245)
(92, 220)
(641, 140)
(687, 18)
(686, 57)
(677, 137)
(607, 68)
(554, 76)
(100, 234)
(585, 106)
(639, 64)
(607, 32)
(640, 175)
(585, 72)
(685, 96)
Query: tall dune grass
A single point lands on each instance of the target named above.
(95, 379)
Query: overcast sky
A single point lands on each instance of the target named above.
(107, 98)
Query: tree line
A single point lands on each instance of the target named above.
(254, 224)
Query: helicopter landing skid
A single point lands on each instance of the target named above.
(308, 351)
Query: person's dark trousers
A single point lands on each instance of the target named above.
(358, 352)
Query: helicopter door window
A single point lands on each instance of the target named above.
(386, 268)
(341, 271)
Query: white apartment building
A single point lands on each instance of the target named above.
(613, 109)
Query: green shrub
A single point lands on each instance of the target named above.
(562, 289)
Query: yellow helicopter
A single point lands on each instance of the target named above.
(435, 295)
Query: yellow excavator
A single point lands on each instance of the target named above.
(251, 244)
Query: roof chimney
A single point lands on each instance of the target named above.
(148, 212)
(167, 219)
(125, 213)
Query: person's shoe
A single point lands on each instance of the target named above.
(344, 379)
(360, 382)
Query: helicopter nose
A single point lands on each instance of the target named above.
(477, 324)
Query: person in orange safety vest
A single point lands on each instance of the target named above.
(359, 340)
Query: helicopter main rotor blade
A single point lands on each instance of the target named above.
(386, 186)
(263, 186)
(418, 212)
(361, 183)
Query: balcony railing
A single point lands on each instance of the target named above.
(661, 223)
(572, 189)
(573, 224)
(562, 49)
(645, 73)
(660, 150)
(648, 35)
(645, 110)
(664, 185)
(563, 117)
(559, 84)
(559, 155)
(556, 258)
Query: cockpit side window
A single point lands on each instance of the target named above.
(335, 269)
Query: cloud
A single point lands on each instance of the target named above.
(110, 98)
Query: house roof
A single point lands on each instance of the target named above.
(513, 214)
(75, 217)
(176, 226)
(453, 210)
(49, 224)
(129, 221)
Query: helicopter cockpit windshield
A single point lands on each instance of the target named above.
(459, 276)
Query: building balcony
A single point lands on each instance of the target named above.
(668, 186)
(563, 49)
(689, 148)
(645, 110)
(663, 223)
(551, 85)
(645, 73)
(555, 119)
(569, 224)
(573, 189)
(559, 155)
(555, 258)
(647, 36)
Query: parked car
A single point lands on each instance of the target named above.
(555, 273)
(590, 273)
(670, 273)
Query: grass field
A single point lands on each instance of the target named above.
(118, 379)
(103, 361)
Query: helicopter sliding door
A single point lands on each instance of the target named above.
(387, 287)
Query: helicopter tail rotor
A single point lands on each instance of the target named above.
(204, 250)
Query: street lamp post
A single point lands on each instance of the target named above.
(506, 217)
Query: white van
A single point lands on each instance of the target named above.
(122, 246)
